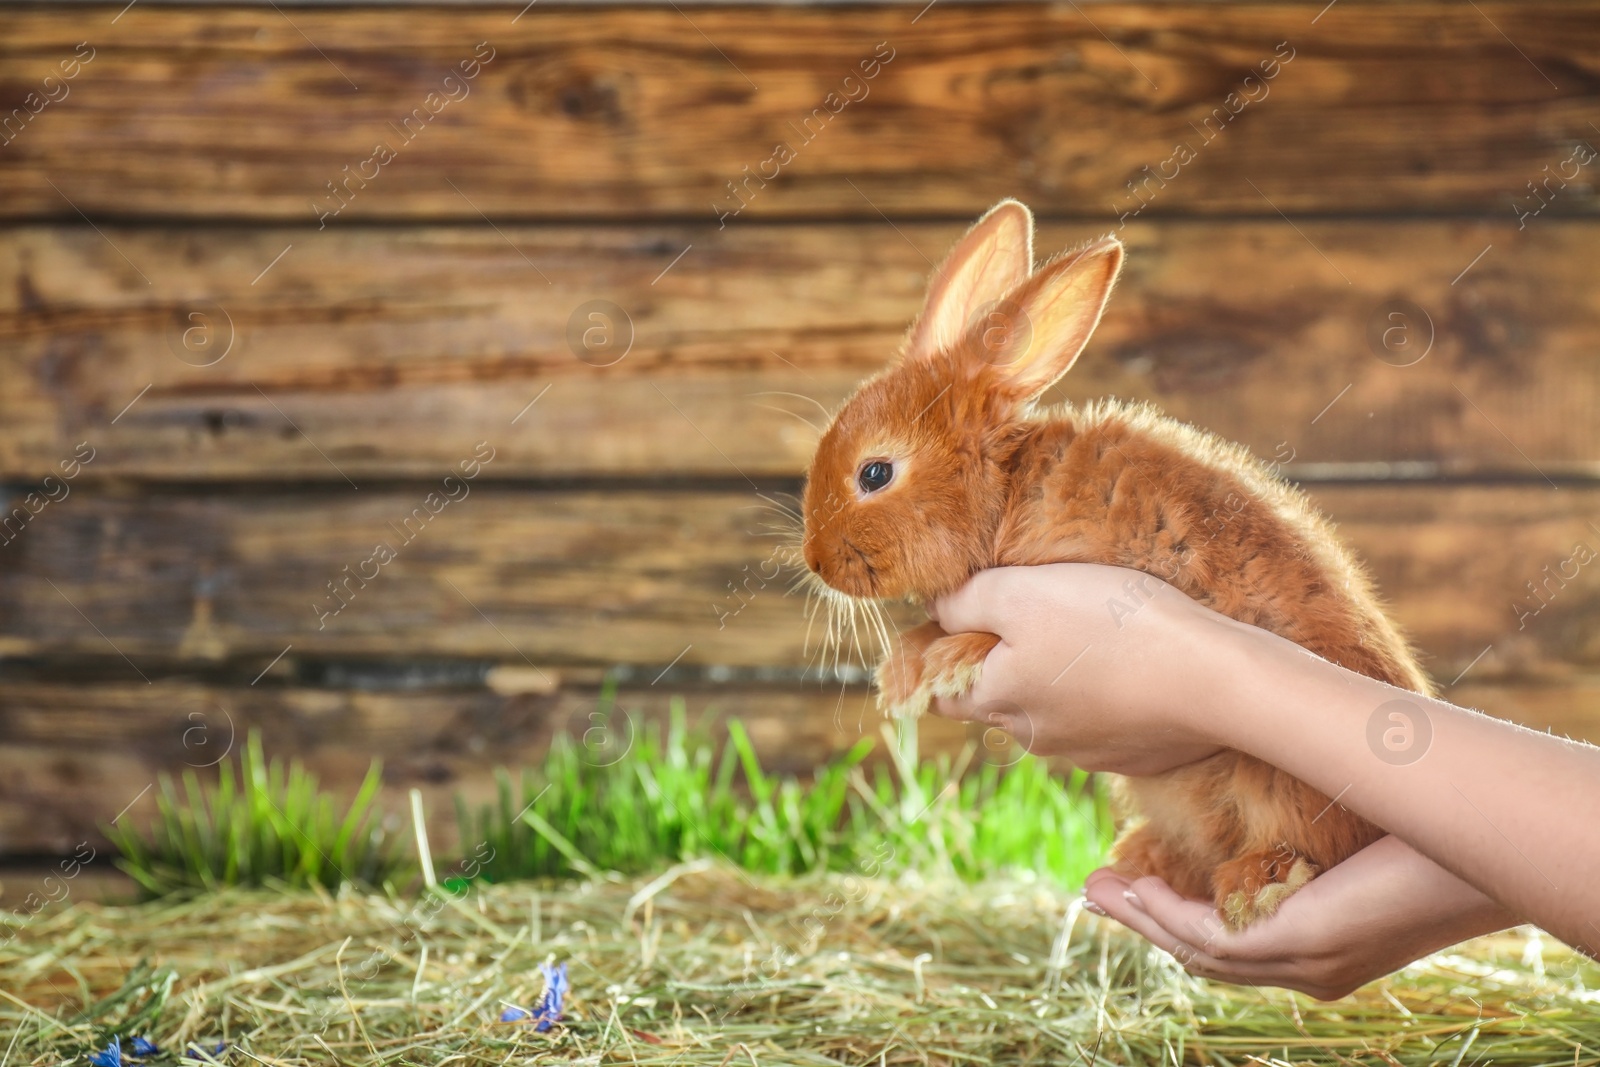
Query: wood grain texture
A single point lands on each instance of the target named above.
(591, 578)
(650, 112)
(374, 353)
(73, 756)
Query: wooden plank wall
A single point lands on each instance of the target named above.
(272, 273)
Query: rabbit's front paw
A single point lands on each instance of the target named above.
(951, 665)
(900, 678)
(1252, 886)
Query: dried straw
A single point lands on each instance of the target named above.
(707, 965)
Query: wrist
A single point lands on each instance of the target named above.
(1204, 659)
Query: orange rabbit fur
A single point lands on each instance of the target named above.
(942, 465)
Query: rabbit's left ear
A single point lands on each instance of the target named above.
(1038, 330)
(995, 256)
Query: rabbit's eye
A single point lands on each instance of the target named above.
(875, 476)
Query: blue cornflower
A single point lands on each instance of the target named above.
(548, 1013)
(111, 1057)
(555, 992)
(143, 1046)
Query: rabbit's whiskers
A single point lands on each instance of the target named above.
(848, 621)
(850, 625)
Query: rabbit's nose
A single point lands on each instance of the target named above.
(813, 562)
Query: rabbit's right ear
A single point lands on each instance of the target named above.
(994, 257)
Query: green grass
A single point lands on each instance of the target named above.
(676, 794)
(264, 824)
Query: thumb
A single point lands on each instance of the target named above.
(979, 606)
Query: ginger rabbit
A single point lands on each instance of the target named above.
(943, 464)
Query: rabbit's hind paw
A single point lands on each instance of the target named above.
(1253, 886)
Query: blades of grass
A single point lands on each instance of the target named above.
(672, 795)
(755, 780)
(559, 841)
(260, 823)
(356, 816)
(207, 846)
(185, 823)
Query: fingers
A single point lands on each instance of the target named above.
(1101, 887)
(1190, 932)
(1100, 875)
(978, 605)
(975, 706)
(1195, 922)
(962, 708)
(1114, 895)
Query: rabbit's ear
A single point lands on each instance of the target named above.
(1035, 334)
(995, 256)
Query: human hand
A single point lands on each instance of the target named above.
(1100, 664)
(1372, 914)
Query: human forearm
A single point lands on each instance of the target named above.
(1481, 812)
(1489, 801)
(1509, 811)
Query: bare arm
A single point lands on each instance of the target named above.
(1509, 811)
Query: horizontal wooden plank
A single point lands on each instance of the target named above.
(25, 880)
(596, 577)
(380, 353)
(73, 757)
(651, 112)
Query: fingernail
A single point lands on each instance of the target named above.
(1089, 905)
(1133, 898)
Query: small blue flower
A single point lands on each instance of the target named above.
(555, 991)
(111, 1057)
(143, 1046)
(548, 1013)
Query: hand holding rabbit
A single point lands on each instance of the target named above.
(1081, 674)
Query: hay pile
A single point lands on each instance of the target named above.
(706, 965)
